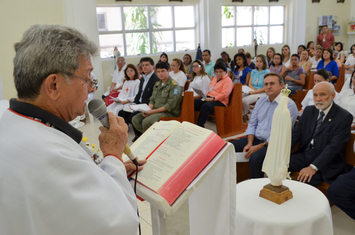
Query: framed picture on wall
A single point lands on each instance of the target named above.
(336, 30)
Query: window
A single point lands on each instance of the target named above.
(140, 30)
(241, 25)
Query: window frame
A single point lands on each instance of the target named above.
(150, 30)
(253, 25)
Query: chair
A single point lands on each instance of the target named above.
(309, 81)
(299, 97)
(340, 81)
(229, 119)
(187, 109)
(187, 84)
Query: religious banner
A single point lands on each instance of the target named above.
(350, 29)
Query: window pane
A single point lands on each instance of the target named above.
(276, 15)
(161, 17)
(184, 16)
(261, 35)
(244, 16)
(109, 18)
(185, 40)
(261, 15)
(244, 36)
(228, 37)
(108, 42)
(276, 34)
(137, 43)
(228, 16)
(162, 41)
(136, 18)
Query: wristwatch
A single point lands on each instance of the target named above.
(264, 144)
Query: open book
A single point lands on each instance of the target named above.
(176, 153)
(136, 107)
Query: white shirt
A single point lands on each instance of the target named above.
(129, 91)
(308, 99)
(315, 62)
(50, 184)
(179, 77)
(201, 83)
(350, 60)
(118, 77)
(287, 63)
(348, 101)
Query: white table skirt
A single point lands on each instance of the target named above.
(307, 213)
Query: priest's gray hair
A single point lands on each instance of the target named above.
(45, 50)
(330, 85)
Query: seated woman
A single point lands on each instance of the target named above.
(229, 71)
(335, 56)
(286, 55)
(338, 46)
(348, 99)
(295, 75)
(300, 49)
(218, 93)
(310, 47)
(315, 59)
(350, 61)
(278, 67)
(305, 62)
(187, 64)
(319, 76)
(329, 64)
(228, 60)
(129, 90)
(250, 63)
(178, 72)
(241, 71)
(199, 79)
(256, 83)
(270, 56)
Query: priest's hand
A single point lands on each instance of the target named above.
(306, 174)
(113, 140)
(131, 167)
(251, 149)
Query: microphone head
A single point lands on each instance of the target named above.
(97, 107)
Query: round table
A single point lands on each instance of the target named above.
(308, 212)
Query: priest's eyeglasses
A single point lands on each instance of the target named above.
(93, 83)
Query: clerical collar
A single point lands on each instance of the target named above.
(46, 118)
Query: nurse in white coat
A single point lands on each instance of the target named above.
(49, 183)
(129, 90)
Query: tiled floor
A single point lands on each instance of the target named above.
(343, 225)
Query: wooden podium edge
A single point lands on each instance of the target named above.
(277, 195)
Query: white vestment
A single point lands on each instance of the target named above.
(129, 91)
(50, 185)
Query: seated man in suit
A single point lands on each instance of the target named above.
(144, 93)
(342, 192)
(164, 102)
(323, 131)
(259, 127)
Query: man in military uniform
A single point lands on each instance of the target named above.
(164, 102)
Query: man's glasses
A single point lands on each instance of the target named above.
(93, 83)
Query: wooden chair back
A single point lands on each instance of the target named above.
(299, 97)
(187, 109)
(187, 84)
(349, 151)
(340, 81)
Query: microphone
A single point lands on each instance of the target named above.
(98, 109)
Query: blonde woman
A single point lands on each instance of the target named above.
(199, 79)
(286, 54)
(178, 72)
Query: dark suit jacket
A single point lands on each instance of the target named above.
(147, 93)
(329, 141)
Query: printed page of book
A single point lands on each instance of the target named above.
(172, 154)
(246, 89)
(152, 138)
(200, 93)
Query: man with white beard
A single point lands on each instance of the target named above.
(323, 131)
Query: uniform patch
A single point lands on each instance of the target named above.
(173, 82)
(175, 91)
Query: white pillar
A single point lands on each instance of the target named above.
(210, 27)
(296, 24)
(81, 14)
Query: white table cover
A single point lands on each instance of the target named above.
(307, 213)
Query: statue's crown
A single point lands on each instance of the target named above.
(286, 92)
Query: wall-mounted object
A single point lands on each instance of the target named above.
(123, 0)
(175, 0)
(237, 0)
(340, 1)
(273, 0)
(315, 1)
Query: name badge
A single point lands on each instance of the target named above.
(240, 73)
(211, 89)
(323, 39)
